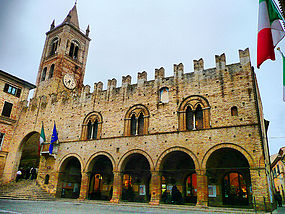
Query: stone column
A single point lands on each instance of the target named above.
(260, 190)
(84, 187)
(202, 188)
(58, 183)
(155, 188)
(117, 187)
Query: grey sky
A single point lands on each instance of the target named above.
(130, 36)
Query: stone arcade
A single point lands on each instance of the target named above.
(201, 132)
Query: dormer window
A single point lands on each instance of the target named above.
(53, 47)
(74, 49)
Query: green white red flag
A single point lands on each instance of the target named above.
(42, 137)
(270, 31)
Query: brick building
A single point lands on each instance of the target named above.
(13, 91)
(201, 132)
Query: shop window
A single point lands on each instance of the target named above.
(53, 46)
(12, 90)
(7, 108)
(1, 140)
(163, 95)
(43, 77)
(136, 121)
(91, 127)
(234, 111)
(51, 70)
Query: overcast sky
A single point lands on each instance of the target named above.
(130, 36)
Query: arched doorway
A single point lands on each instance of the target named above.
(228, 178)
(136, 179)
(29, 153)
(178, 180)
(101, 179)
(70, 178)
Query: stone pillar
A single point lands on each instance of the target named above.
(117, 187)
(84, 187)
(155, 188)
(260, 190)
(58, 184)
(202, 188)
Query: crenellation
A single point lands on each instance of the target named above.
(126, 80)
(142, 78)
(198, 65)
(220, 61)
(244, 57)
(178, 70)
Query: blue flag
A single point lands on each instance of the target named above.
(54, 138)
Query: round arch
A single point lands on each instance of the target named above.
(176, 149)
(93, 157)
(140, 108)
(193, 101)
(230, 146)
(64, 161)
(126, 156)
(95, 114)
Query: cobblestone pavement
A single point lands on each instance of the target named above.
(74, 206)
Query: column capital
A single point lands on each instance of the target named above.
(201, 172)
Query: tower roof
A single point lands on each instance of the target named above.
(72, 17)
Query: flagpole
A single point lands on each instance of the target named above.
(278, 11)
(283, 58)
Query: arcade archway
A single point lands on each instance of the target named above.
(70, 178)
(101, 179)
(178, 179)
(136, 178)
(29, 153)
(228, 178)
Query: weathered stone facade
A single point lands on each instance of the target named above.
(205, 118)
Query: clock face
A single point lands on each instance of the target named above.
(69, 81)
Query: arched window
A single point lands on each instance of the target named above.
(163, 95)
(234, 111)
(140, 124)
(133, 125)
(89, 130)
(51, 71)
(136, 121)
(199, 117)
(92, 126)
(189, 118)
(53, 47)
(44, 74)
(74, 50)
(194, 113)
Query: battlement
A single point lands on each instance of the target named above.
(127, 88)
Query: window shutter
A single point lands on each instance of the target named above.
(18, 94)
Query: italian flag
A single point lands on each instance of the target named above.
(42, 137)
(270, 31)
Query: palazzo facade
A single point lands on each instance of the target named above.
(201, 133)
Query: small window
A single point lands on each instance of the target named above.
(44, 74)
(1, 140)
(7, 109)
(234, 111)
(133, 125)
(74, 50)
(199, 117)
(278, 170)
(53, 48)
(12, 90)
(89, 130)
(189, 119)
(46, 179)
(163, 94)
(140, 124)
(51, 71)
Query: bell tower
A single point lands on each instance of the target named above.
(64, 57)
